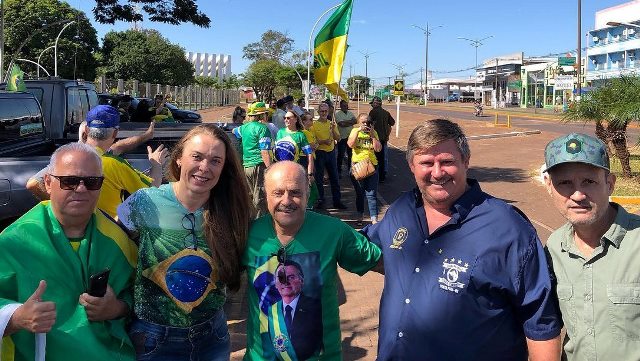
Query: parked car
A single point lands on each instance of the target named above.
(120, 101)
(453, 97)
(184, 116)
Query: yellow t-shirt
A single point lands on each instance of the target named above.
(363, 147)
(310, 138)
(120, 181)
(322, 131)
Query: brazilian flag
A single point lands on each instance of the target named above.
(16, 84)
(330, 47)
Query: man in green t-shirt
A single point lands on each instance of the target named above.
(291, 260)
(255, 137)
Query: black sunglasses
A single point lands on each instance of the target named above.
(282, 273)
(189, 223)
(71, 182)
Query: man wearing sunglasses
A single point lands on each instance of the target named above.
(48, 257)
(292, 253)
(121, 179)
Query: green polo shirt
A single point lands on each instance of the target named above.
(600, 296)
(341, 117)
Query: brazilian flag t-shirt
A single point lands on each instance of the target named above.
(291, 145)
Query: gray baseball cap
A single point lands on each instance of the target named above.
(576, 148)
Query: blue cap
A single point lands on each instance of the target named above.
(103, 116)
(576, 148)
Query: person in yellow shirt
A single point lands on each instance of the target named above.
(364, 141)
(120, 178)
(326, 134)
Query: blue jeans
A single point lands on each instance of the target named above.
(368, 188)
(342, 149)
(327, 160)
(208, 341)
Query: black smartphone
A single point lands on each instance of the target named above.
(98, 283)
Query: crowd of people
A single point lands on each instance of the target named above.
(466, 276)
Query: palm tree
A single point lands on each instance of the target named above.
(611, 107)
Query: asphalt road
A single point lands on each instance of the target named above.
(519, 119)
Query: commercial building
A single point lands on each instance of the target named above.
(211, 65)
(614, 44)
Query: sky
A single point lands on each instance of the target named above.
(384, 30)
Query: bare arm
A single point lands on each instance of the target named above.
(266, 158)
(351, 141)
(548, 350)
(127, 144)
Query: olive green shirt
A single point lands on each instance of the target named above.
(600, 296)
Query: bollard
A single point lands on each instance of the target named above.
(495, 121)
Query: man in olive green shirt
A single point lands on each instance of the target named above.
(594, 255)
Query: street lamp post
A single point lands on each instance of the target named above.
(358, 90)
(40, 56)
(476, 43)
(310, 55)
(34, 63)
(55, 49)
(427, 31)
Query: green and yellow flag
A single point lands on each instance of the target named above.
(330, 47)
(16, 84)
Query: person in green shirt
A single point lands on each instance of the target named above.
(594, 255)
(291, 260)
(256, 146)
(291, 143)
(48, 257)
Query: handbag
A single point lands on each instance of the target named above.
(363, 169)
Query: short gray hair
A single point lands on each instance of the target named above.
(436, 131)
(73, 147)
(100, 133)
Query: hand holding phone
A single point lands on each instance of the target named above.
(98, 283)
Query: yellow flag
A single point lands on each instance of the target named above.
(330, 47)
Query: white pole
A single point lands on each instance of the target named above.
(358, 97)
(55, 49)
(310, 55)
(34, 63)
(397, 116)
(40, 56)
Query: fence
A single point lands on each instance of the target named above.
(191, 97)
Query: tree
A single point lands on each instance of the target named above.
(611, 107)
(231, 82)
(32, 25)
(173, 12)
(261, 76)
(352, 85)
(272, 42)
(145, 56)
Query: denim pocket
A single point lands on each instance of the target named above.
(624, 310)
(144, 343)
(220, 329)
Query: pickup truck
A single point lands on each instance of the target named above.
(34, 123)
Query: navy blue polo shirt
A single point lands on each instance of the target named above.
(472, 290)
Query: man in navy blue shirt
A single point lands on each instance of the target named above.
(466, 277)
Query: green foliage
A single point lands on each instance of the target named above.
(272, 42)
(146, 56)
(172, 12)
(232, 82)
(352, 85)
(261, 76)
(612, 108)
(32, 25)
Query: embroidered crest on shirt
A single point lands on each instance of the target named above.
(280, 343)
(452, 270)
(399, 238)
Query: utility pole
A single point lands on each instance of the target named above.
(427, 31)
(579, 60)
(475, 43)
(496, 82)
(366, 74)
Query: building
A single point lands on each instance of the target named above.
(614, 44)
(211, 65)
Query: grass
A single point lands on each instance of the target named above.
(627, 186)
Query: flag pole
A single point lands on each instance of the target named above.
(310, 56)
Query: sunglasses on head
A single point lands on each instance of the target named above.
(71, 182)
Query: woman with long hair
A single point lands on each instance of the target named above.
(364, 141)
(292, 144)
(191, 234)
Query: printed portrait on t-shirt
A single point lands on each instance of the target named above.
(289, 289)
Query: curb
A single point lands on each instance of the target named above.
(625, 200)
